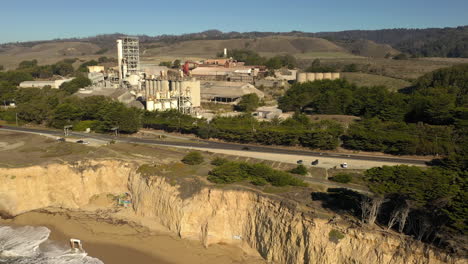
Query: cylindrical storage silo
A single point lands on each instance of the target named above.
(164, 85)
(335, 75)
(319, 76)
(147, 89)
(150, 87)
(301, 77)
(158, 86)
(183, 88)
(327, 76)
(166, 105)
(150, 105)
(153, 87)
(158, 95)
(174, 104)
(178, 86)
(157, 106)
(311, 76)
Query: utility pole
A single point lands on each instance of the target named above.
(116, 131)
(66, 129)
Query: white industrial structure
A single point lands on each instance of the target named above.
(162, 94)
(128, 56)
(41, 84)
(303, 77)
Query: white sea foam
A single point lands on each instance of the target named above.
(21, 245)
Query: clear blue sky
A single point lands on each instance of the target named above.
(48, 19)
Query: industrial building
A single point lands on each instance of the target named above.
(128, 58)
(227, 92)
(267, 112)
(122, 95)
(96, 68)
(41, 84)
(153, 69)
(162, 94)
(303, 77)
(222, 73)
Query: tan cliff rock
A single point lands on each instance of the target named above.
(278, 230)
(60, 185)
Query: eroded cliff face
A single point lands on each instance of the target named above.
(60, 185)
(278, 230)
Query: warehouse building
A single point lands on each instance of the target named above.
(227, 92)
(41, 84)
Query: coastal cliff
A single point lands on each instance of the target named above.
(279, 230)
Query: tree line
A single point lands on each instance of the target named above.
(251, 57)
(429, 118)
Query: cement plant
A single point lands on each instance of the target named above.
(283, 139)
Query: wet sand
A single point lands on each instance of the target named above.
(124, 243)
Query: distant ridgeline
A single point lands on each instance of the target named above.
(430, 42)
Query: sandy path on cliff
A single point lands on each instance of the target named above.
(325, 162)
(122, 243)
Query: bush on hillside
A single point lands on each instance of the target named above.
(300, 169)
(257, 174)
(218, 161)
(342, 178)
(193, 158)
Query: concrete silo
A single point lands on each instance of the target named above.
(335, 75)
(311, 76)
(319, 76)
(327, 76)
(301, 77)
(150, 105)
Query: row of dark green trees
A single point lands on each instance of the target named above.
(428, 119)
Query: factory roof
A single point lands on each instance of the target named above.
(217, 70)
(214, 89)
(109, 92)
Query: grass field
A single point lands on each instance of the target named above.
(399, 69)
(324, 55)
(364, 79)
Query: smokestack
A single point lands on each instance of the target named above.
(120, 58)
(225, 53)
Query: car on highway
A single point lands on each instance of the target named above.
(82, 142)
(300, 162)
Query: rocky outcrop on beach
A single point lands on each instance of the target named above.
(281, 231)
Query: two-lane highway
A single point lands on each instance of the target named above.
(206, 144)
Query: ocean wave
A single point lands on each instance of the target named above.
(25, 245)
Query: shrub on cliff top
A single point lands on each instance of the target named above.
(341, 177)
(335, 236)
(258, 174)
(193, 158)
(218, 161)
(300, 169)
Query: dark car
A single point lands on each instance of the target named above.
(300, 162)
(245, 148)
(315, 162)
(61, 139)
(82, 142)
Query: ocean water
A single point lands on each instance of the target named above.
(28, 245)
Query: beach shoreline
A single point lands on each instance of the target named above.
(120, 242)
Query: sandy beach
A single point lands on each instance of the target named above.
(124, 243)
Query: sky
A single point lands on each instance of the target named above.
(25, 20)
